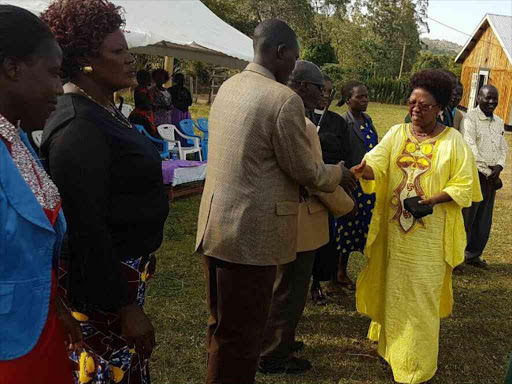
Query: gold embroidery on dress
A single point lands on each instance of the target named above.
(414, 162)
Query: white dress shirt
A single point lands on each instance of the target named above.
(485, 136)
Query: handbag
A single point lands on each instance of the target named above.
(337, 202)
(498, 184)
(417, 210)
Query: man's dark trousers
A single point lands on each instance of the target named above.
(288, 302)
(478, 220)
(239, 298)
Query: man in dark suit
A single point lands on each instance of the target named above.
(333, 139)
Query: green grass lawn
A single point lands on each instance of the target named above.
(474, 342)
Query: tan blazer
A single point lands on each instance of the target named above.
(459, 115)
(259, 154)
(313, 224)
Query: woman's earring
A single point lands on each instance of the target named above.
(87, 70)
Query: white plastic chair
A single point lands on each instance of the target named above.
(168, 132)
(37, 137)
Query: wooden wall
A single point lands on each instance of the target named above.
(489, 54)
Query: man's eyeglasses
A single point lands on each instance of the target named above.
(326, 92)
(422, 107)
(319, 86)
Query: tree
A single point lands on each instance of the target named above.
(246, 14)
(199, 70)
(232, 12)
(427, 60)
(373, 38)
(148, 62)
(331, 7)
(319, 54)
(395, 27)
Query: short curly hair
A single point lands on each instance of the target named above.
(80, 27)
(161, 72)
(436, 82)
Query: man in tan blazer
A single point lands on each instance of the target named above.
(292, 279)
(259, 154)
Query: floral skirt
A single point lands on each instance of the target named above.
(109, 359)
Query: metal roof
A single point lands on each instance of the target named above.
(502, 27)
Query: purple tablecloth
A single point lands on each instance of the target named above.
(169, 166)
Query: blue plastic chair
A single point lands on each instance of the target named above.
(162, 145)
(187, 127)
(202, 125)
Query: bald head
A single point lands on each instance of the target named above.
(306, 71)
(488, 99)
(272, 33)
(276, 48)
(486, 89)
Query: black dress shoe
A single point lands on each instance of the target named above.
(318, 298)
(297, 346)
(477, 263)
(293, 366)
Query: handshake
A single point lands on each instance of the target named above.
(350, 176)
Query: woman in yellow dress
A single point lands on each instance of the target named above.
(406, 286)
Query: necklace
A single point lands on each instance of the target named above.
(423, 134)
(116, 115)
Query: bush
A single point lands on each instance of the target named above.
(380, 89)
(388, 91)
(339, 74)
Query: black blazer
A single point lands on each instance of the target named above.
(332, 138)
(354, 141)
(110, 180)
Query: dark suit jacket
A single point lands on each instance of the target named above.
(355, 148)
(332, 137)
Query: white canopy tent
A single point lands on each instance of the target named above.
(184, 29)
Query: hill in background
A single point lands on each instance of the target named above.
(441, 47)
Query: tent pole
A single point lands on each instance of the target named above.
(191, 82)
(169, 67)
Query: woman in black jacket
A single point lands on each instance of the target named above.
(110, 179)
(360, 137)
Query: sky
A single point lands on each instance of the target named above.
(463, 15)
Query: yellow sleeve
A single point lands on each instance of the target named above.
(378, 159)
(464, 183)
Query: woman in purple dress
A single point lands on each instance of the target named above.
(162, 100)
